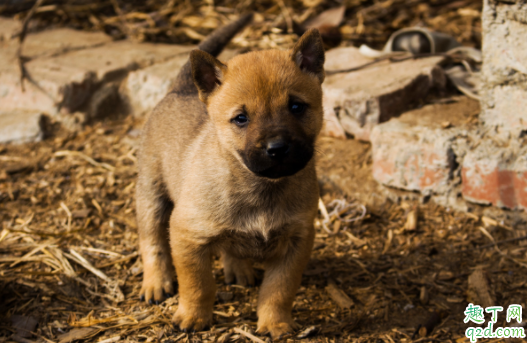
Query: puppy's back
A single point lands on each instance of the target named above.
(177, 120)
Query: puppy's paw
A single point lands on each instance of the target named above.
(238, 270)
(192, 319)
(156, 287)
(277, 329)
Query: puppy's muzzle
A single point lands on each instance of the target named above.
(277, 148)
(278, 156)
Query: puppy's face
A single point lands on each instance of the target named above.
(266, 106)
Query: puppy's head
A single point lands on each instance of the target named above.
(266, 106)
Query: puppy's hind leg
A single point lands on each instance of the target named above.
(153, 212)
(239, 270)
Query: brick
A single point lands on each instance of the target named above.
(494, 175)
(67, 81)
(414, 152)
(21, 127)
(364, 98)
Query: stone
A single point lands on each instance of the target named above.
(21, 126)
(9, 28)
(144, 88)
(339, 59)
(344, 58)
(504, 50)
(415, 152)
(364, 98)
(496, 175)
(66, 82)
(58, 41)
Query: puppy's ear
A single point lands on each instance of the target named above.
(207, 73)
(308, 53)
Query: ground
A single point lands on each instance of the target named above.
(68, 254)
(385, 268)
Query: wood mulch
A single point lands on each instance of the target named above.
(398, 272)
(69, 267)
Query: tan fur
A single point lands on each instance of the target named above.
(195, 191)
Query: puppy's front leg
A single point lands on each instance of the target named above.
(283, 273)
(197, 287)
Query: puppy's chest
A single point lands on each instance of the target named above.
(253, 245)
(252, 231)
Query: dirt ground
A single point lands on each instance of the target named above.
(69, 267)
(381, 270)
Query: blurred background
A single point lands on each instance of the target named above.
(187, 22)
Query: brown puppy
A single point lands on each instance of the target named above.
(226, 167)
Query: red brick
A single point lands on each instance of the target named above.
(494, 176)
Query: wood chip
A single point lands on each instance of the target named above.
(248, 335)
(479, 291)
(338, 295)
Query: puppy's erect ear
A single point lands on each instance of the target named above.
(308, 53)
(207, 73)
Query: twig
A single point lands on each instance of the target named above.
(391, 57)
(76, 257)
(120, 260)
(338, 295)
(287, 16)
(21, 38)
(248, 335)
(84, 157)
(490, 245)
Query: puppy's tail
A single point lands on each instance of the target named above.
(213, 44)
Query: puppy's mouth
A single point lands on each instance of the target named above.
(280, 162)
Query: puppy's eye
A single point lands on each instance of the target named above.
(240, 120)
(297, 107)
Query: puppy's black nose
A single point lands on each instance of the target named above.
(277, 148)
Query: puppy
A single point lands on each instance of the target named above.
(226, 167)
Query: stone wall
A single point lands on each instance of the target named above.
(484, 163)
(504, 91)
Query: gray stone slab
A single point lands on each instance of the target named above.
(21, 126)
(66, 81)
(144, 88)
(364, 98)
(8, 28)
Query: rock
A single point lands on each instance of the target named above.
(9, 28)
(504, 49)
(66, 82)
(364, 98)
(415, 152)
(339, 59)
(143, 89)
(344, 58)
(58, 41)
(22, 126)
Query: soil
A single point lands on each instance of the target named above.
(69, 262)
(384, 268)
